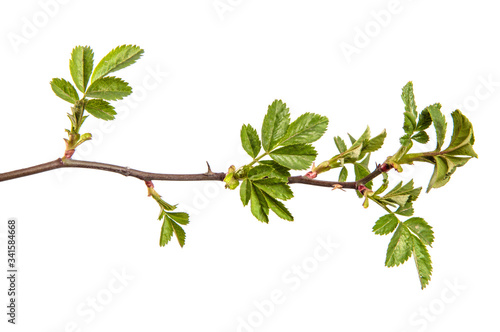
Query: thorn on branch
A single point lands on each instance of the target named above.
(338, 186)
(209, 171)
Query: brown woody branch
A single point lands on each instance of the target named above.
(147, 176)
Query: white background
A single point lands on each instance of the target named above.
(205, 72)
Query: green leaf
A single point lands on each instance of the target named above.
(180, 234)
(384, 185)
(409, 124)
(339, 142)
(250, 140)
(386, 224)
(119, 58)
(360, 171)
(462, 138)
(164, 205)
(343, 174)
(405, 210)
(100, 108)
(422, 261)
(278, 207)
(308, 128)
(363, 139)
(421, 229)
(400, 247)
(401, 195)
(167, 231)
(64, 90)
(179, 217)
(440, 175)
(274, 187)
(275, 125)
(409, 99)
(375, 143)
(80, 66)
(439, 123)
(298, 156)
(279, 172)
(109, 88)
(259, 172)
(424, 120)
(421, 137)
(245, 191)
(258, 205)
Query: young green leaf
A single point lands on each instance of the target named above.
(421, 229)
(401, 195)
(340, 144)
(250, 140)
(409, 99)
(308, 128)
(439, 123)
(298, 156)
(179, 233)
(375, 143)
(274, 187)
(360, 171)
(118, 58)
(80, 66)
(462, 138)
(258, 205)
(424, 120)
(245, 191)
(440, 176)
(422, 261)
(64, 90)
(343, 174)
(101, 109)
(167, 231)
(275, 125)
(386, 224)
(400, 247)
(109, 88)
(179, 217)
(421, 137)
(278, 207)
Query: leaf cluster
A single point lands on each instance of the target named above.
(288, 145)
(96, 86)
(445, 161)
(172, 221)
